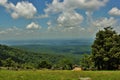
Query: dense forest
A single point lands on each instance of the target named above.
(18, 58)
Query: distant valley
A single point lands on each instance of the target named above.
(31, 53)
(77, 46)
(48, 42)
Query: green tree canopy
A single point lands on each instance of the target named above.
(106, 49)
(66, 64)
(44, 64)
(86, 62)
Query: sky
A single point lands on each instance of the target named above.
(57, 19)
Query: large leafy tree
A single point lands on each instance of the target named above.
(106, 49)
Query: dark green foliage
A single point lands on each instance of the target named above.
(73, 52)
(0, 62)
(44, 64)
(106, 49)
(8, 53)
(86, 62)
(65, 64)
(16, 58)
(8, 63)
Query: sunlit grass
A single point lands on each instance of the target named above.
(58, 75)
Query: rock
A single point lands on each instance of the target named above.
(77, 69)
(85, 78)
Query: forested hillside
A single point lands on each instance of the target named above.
(57, 49)
(14, 57)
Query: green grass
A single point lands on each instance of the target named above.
(58, 75)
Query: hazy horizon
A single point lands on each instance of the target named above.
(48, 42)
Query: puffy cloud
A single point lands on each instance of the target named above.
(73, 29)
(66, 21)
(114, 11)
(10, 30)
(49, 23)
(21, 9)
(85, 4)
(89, 5)
(3, 32)
(51, 29)
(69, 19)
(3, 2)
(105, 22)
(24, 9)
(54, 7)
(33, 26)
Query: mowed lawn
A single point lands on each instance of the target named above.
(58, 75)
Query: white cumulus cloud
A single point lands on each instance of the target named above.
(49, 23)
(10, 30)
(33, 26)
(24, 9)
(54, 7)
(73, 29)
(85, 4)
(105, 22)
(89, 5)
(3, 32)
(3, 2)
(114, 11)
(21, 9)
(70, 19)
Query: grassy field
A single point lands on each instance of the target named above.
(58, 75)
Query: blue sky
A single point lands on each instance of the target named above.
(56, 19)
